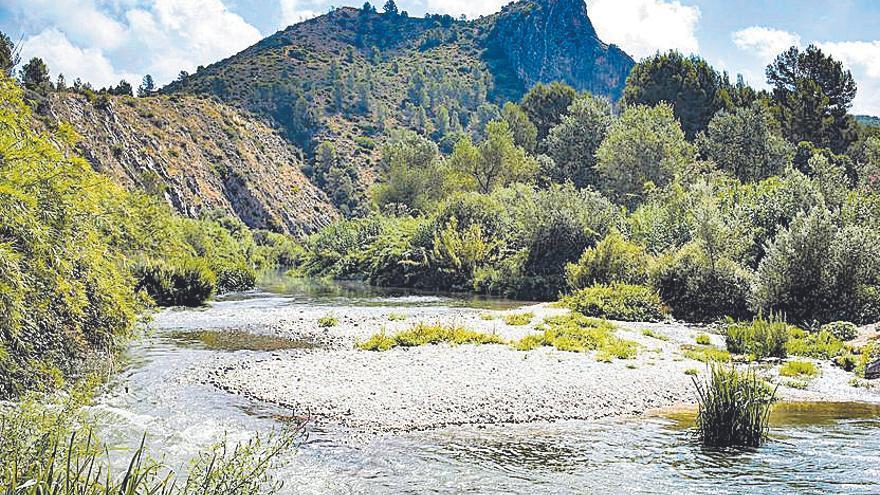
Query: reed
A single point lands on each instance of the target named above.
(734, 407)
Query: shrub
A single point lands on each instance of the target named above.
(328, 321)
(423, 334)
(759, 338)
(614, 259)
(706, 353)
(799, 369)
(691, 372)
(867, 355)
(734, 408)
(647, 332)
(235, 278)
(842, 330)
(698, 290)
(578, 333)
(518, 319)
(617, 302)
(186, 283)
(820, 345)
(703, 339)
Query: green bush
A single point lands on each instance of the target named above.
(187, 283)
(799, 369)
(759, 338)
(617, 302)
(820, 345)
(842, 330)
(518, 319)
(235, 278)
(577, 333)
(422, 334)
(734, 408)
(614, 259)
(698, 290)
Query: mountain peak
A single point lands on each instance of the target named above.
(554, 40)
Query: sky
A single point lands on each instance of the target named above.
(103, 41)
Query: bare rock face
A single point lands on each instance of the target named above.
(200, 156)
(554, 40)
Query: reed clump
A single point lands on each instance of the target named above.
(734, 407)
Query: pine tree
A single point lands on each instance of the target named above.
(147, 86)
(35, 75)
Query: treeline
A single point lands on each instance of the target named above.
(81, 258)
(723, 200)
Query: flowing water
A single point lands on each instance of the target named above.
(814, 448)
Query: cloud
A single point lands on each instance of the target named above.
(472, 9)
(118, 39)
(863, 58)
(643, 27)
(767, 43)
(294, 11)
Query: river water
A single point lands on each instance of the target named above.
(814, 448)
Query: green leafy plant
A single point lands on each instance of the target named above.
(328, 321)
(799, 369)
(703, 339)
(759, 338)
(576, 333)
(617, 302)
(422, 334)
(518, 319)
(734, 407)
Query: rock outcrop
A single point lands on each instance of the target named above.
(199, 155)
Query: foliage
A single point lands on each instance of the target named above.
(576, 333)
(706, 353)
(820, 345)
(734, 408)
(759, 338)
(743, 143)
(525, 134)
(328, 321)
(190, 283)
(495, 162)
(842, 330)
(423, 334)
(518, 319)
(689, 84)
(614, 259)
(647, 332)
(645, 145)
(411, 173)
(703, 339)
(617, 301)
(572, 144)
(546, 105)
(812, 93)
(799, 369)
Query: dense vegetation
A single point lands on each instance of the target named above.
(721, 201)
(734, 408)
(81, 258)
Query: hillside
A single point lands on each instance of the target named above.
(199, 156)
(348, 75)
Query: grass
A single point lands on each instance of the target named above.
(577, 333)
(692, 372)
(647, 332)
(328, 321)
(706, 354)
(734, 407)
(820, 345)
(396, 316)
(617, 302)
(799, 369)
(487, 316)
(423, 334)
(518, 319)
(703, 339)
(760, 338)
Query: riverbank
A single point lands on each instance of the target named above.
(327, 378)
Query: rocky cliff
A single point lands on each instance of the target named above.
(554, 40)
(199, 155)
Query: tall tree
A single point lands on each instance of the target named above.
(147, 87)
(812, 94)
(495, 162)
(525, 134)
(573, 143)
(390, 7)
(546, 104)
(689, 84)
(8, 54)
(35, 75)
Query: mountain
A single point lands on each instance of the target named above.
(199, 156)
(868, 120)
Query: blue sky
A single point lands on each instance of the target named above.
(103, 41)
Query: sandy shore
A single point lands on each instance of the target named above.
(437, 385)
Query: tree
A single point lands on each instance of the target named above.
(689, 84)
(495, 162)
(869, 171)
(147, 86)
(335, 177)
(546, 104)
(122, 89)
(182, 75)
(480, 118)
(645, 145)
(35, 76)
(390, 7)
(812, 94)
(525, 134)
(410, 172)
(60, 83)
(8, 54)
(743, 143)
(573, 143)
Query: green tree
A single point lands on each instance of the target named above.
(147, 87)
(812, 94)
(35, 76)
(122, 89)
(390, 7)
(689, 84)
(545, 105)
(410, 173)
(869, 171)
(495, 162)
(8, 55)
(645, 145)
(743, 143)
(573, 143)
(525, 134)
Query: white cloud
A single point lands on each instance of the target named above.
(765, 42)
(161, 39)
(863, 58)
(643, 27)
(294, 11)
(471, 8)
(63, 57)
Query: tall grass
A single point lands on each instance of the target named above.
(759, 338)
(734, 407)
(422, 334)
